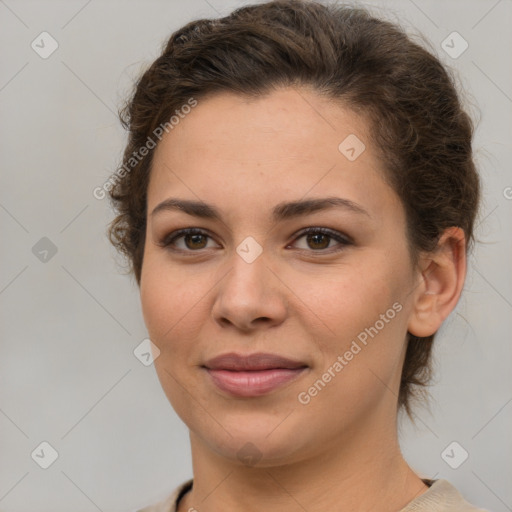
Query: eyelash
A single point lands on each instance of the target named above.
(339, 237)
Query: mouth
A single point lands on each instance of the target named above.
(252, 375)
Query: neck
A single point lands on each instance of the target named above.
(364, 471)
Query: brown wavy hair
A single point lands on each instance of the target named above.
(346, 54)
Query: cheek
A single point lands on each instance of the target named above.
(162, 297)
(364, 320)
(172, 311)
(349, 298)
(175, 303)
(156, 301)
(361, 351)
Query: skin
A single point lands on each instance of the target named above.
(302, 298)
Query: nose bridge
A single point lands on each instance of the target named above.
(248, 279)
(248, 291)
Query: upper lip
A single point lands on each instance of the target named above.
(254, 362)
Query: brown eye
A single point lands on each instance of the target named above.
(187, 240)
(318, 241)
(195, 241)
(321, 240)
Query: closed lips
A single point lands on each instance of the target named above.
(253, 375)
(252, 362)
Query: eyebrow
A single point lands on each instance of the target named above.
(281, 211)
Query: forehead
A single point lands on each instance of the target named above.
(231, 125)
(290, 142)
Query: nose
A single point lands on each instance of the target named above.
(250, 296)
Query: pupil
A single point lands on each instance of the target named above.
(196, 240)
(316, 241)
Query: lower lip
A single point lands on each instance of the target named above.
(254, 383)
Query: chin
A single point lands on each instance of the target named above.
(263, 445)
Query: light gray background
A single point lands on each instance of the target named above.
(69, 326)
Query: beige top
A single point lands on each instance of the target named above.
(442, 496)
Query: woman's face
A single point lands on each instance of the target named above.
(336, 301)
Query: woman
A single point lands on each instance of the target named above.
(296, 201)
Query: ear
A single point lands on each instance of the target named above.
(442, 274)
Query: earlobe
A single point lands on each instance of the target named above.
(441, 279)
